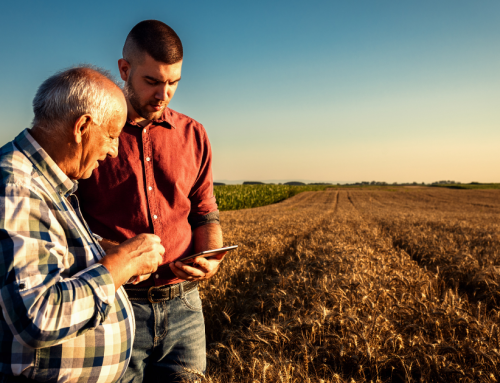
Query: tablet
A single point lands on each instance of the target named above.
(208, 253)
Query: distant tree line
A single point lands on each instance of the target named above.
(362, 183)
(292, 183)
(382, 183)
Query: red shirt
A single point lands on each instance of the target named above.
(161, 183)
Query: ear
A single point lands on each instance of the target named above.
(124, 68)
(81, 127)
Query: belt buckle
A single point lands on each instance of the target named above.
(150, 299)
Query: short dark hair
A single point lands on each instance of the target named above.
(156, 39)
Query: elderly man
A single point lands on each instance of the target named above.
(161, 182)
(64, 315)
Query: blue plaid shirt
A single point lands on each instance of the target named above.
(60, 318)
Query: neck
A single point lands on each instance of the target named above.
(134, 116)
(55, 148)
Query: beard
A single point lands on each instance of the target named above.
(140, 108)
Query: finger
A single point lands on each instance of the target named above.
(160, 259)
(190, 270)
(161, 250)
(131, 279)
(152, 237)
(206, 265)
(186, 272)
(180, 274)
(141, 278)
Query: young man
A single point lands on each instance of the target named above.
(161, 183)
(63, 314)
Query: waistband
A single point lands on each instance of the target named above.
(159, 294)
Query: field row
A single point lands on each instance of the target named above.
(453, 234)
(323, 288)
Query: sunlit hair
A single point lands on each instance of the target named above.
(69, 94)
(156, 39)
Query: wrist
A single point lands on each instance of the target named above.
(107, 244)
(118, 265)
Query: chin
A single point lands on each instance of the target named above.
(87, 174)
(152, 115)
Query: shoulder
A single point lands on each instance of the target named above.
(181, 121)
(15, 167)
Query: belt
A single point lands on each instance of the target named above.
(159, 294)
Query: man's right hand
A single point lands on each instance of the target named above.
(138, 256)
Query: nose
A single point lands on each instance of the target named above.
(113, 150)
(163, 91)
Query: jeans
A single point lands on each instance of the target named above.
(169, 340)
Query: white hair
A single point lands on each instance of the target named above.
(71, 93)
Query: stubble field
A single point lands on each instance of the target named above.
(351, 285)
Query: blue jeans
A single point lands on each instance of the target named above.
(169, 340)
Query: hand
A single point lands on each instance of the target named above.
(138, 256)
(201, 269)
(145, 253)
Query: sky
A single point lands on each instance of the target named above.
(317, 91)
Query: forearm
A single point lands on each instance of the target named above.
(117, 268)
(45, 322)
(113, 261)
(207, 237)
(44, 305)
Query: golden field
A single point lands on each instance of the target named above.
(384, 285)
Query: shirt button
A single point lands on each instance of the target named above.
(155, 216)
(157, 276)
(150, 188)
(148, 159)
(144, 130)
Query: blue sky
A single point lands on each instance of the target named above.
(338, 91)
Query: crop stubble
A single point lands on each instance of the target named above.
(358, 285)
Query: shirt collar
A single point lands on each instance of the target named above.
(165, 120)
(44, 164)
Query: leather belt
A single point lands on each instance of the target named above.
(159, 294)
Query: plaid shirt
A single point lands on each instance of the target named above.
(60, 318)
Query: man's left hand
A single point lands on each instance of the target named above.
(199, 270)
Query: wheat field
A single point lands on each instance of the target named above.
(397, 285)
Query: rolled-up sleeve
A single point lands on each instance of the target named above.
(203, 203)
(41, 307)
